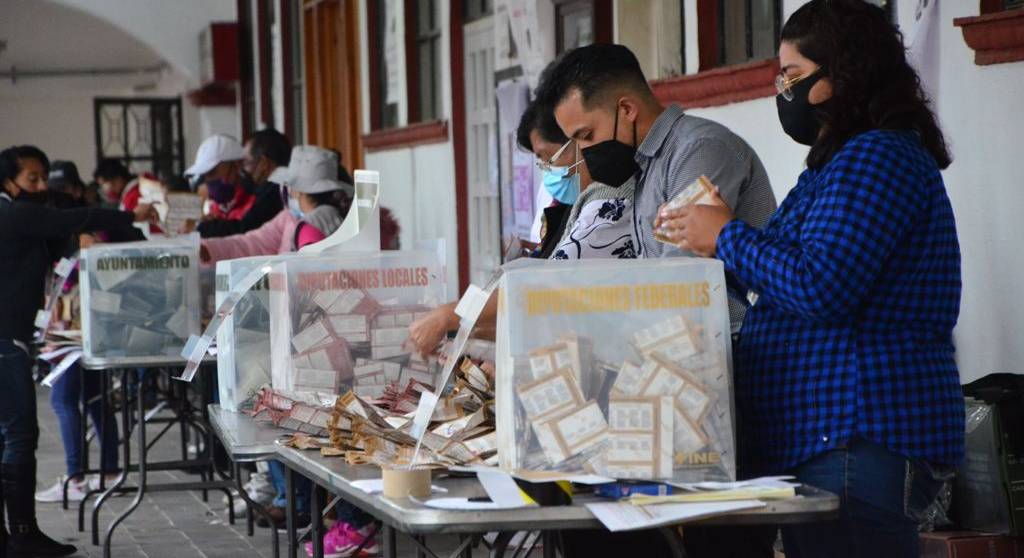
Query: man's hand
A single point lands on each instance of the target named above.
(187, 227)
(428, 332)
(695, 227)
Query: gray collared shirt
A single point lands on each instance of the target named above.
(680, 148)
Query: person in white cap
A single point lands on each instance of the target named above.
(317, 203)
(218, 164)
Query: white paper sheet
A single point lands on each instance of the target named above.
(376, 486)
(622, 516)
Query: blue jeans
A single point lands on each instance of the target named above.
(19, 425)
(883, 496)
(302, 487)
(65, 397)
(344, 511)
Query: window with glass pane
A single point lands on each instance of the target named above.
(477, 9)
(388, 111)
(747, 30)
(575, 24)
(428, 54)
(296, 83)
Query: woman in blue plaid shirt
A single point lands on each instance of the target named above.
(845, 375)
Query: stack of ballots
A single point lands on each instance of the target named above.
(140, 299)
(620, 369)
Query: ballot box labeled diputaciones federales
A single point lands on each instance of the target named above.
(342, 322)
(616, 368)
(139, 299)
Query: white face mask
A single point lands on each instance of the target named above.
(295, 208)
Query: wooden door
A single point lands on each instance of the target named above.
(331, 55)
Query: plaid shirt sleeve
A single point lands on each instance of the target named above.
(854, 222)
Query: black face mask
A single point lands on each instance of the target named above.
(40, 198)
(799, 117)
(248, 184)
(612, 162)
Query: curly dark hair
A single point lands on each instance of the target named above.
(874, 87)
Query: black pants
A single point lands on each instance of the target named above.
(19, 425)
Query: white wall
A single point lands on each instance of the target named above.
(169, 28)
(980, 110)
(418, 186)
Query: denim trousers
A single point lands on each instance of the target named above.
(68, 392)
(302, 488)
(19, 425)
(883, 497)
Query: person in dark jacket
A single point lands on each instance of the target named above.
(266, 156)
(32, 236)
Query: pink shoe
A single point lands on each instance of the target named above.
(342, 540)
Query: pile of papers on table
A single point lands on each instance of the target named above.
(460, 432)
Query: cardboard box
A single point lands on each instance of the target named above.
(969, 544)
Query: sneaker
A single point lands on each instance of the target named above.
(342, 540)
(259, 490)
(94, 482)
(55, 494)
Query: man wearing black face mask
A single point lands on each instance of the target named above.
(265, 157)
(602, 100)
(31, 237)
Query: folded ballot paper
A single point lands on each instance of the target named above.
(341, 322)
(140, 299)
(615, 368)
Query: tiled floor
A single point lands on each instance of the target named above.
(167, 524)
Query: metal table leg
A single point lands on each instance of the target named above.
(104, 381)
(389, 542)
(141, 489)
(293, 543)
(316, 517)
(126, 453)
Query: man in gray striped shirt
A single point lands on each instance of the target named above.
(602, 100)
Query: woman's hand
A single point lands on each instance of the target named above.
(695, 227)
(204, 254)
(146, 212)
(428, 332)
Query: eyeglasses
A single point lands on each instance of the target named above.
(784, 85)
(545, 166)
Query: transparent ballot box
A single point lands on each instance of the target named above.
(140, 300)
(342, 322)
(617, 368)
(243, 340)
